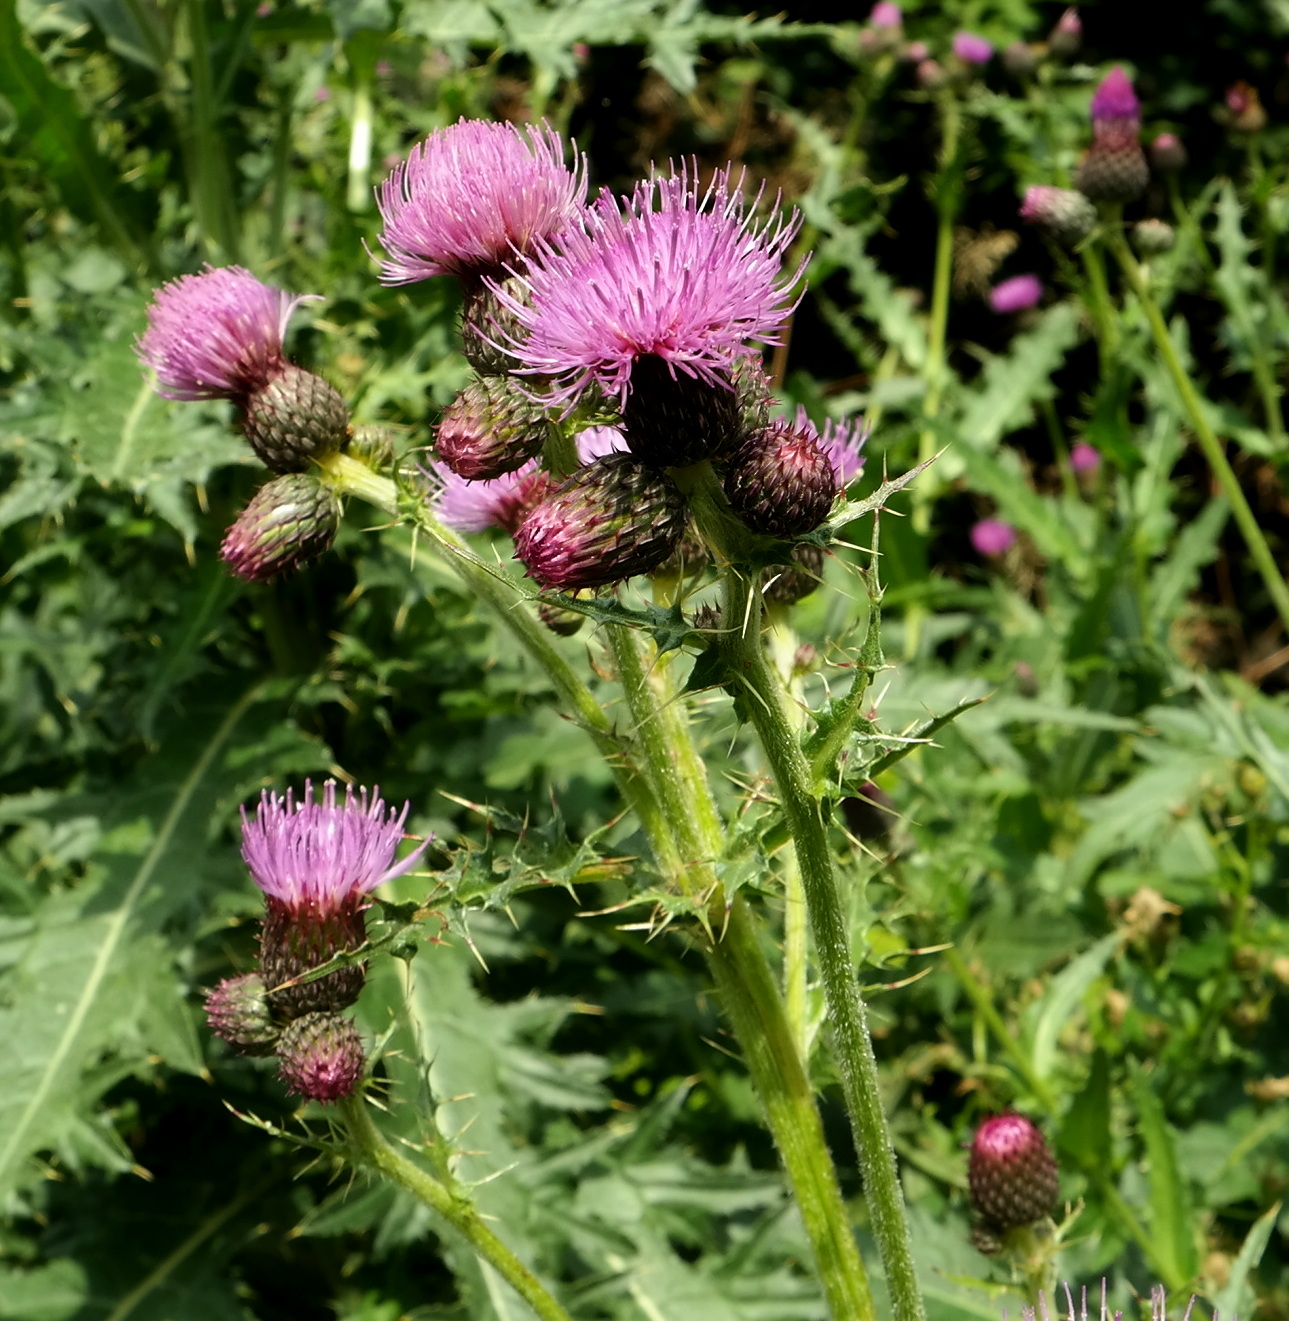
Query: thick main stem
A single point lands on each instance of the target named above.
(1208, 441)
(369, 1149)
(848, 1018)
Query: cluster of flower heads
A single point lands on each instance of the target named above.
(648, 310)
(316, 859)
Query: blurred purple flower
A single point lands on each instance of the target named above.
(595, 442)
(1114, 103)
(916, 51)
(1016, 294)
(1167, 153)
(216, 335)
(1085, 457)
(991, 536)
(322, 94)
(500, 502)
(842, 442)
(323, 856)
(474, 196)
(672, 272)
(886, 15)
(973, 49)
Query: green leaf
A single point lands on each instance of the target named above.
(1063, 996)
(1236, 1297)
(1085, 1130)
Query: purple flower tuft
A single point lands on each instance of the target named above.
(1085, 457)
(842, 444)
(595, 442)
(886, 15)
(991, 536)
(216, 335)
(1016, 294)
(682, 275)
(1114, 100)
(471, 197)
(971, 48)
(501, 502)
(323, 855)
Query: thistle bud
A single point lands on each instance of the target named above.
(1244, 112)
(610, 520)
(672, 421)
(779, 481)
(1062, 214)
(1066, 37)
(1020, 59)
(320, 1057)
(294, 419)
(373, 446)
(1012, 1176)
(487, 324)
(1167, 154)
(288, 522)
(563, 623)
(490, 429)
(1153, 236)
(786, 584)
(1113, 169)
(238, 1011)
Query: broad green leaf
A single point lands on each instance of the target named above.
(1236, 1297)
(1063, 996)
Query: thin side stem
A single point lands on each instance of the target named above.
(1107, 328)
(1208, 441)
(370, 1150)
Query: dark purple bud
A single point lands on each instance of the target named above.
(294, 419)
(1012, 1176)
(608, 521)
(786, 584)
(489, 429)
(780, 482)
(320, 1057)
(288, 522)
(238, 1011)
(672, 421)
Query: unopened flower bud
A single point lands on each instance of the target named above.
(1020, 59)
(1153, 236)
(779, 481)
(489, 429)
(672, 421)
(238, 1011)
(1012, 1176)
(992, 537)
(1085, 458)
(1018, 294)
(1113, 168)
(786, 584)
(374, 446)
(294, 419)
(1061, 213)
(289, 521)
(563, 623)
(1244, 110)
(931, 75)
(487, 325)
(1067, 36)
(320, 1057)
(608, 521)
(1168, 154)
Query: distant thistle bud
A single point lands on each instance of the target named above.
(487, 325)
(786, 584)
(972, 48)
(374, 446)
(289, 521)
(707, 619)
(1114, 103)
(294, 419)
(1168, 154)
(563, 623)
(1012, 1176)
(1018, 294)
(320, 1057)
(886, 14)
(1153, 236)
(931, 75)
(992, 537)
(780, 482)
(608, 521)
(1020, 59)
(672, 419)
(1061, 213)
(1244, 112)
(238, 1011)
(1113, 169)
(1066, 37)
(1085, 458)
(489, 429)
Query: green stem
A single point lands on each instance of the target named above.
(1107, 328)
(1208, 441)
(207, 163)
(370, 1150)
(749, 668)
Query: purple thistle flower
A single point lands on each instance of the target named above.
(216, 335)
(1085, 457)
(595, 442)
(972, 48)
(1114, 102)
(501, 502)
(991, 536)
(1017, 294)
(472, 196)
(324, 855)
(684, 276)
(886, 15)
(916, 51)
(1066, 215)
(320, 1057)
(842, 443)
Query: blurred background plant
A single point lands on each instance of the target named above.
(1074, 906)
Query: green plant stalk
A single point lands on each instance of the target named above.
(369, 1149)
(1208, 441)
(1107, 328)
(207, 164)
(358, 192)
(744, 980)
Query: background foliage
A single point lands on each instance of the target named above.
(1078, 905)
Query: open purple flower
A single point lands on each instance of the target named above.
(842, 442)
(502, 502)
(216, 335)
(991, 536)
(972, 48)
(471, 197)
(674, 273)
(1115, 104)
(886, 14)
(1017, 294)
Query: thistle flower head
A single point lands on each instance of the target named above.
(1067, 216)
(991, 536)
(1017, 294)
(293, 419)
(972, 48)
(238, 1011)
(674, 272)
(886, 14)
(323, 855)
(1085, 457)
(472, 196)
(502, 502)
(842, 443)
(320, 1057)
(1114, 101)
(1167, 153)
(289, 521)
(492, 427)
(1066, 37)
(779, 481)
(216, 335)
(1012, 1174)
